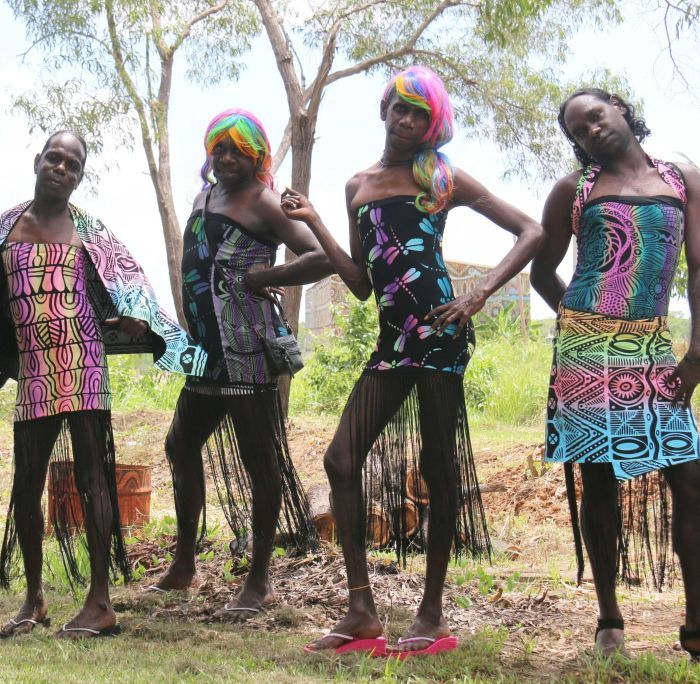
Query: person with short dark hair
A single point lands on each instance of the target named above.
(619, 402)
(70, 293)
(407, 408)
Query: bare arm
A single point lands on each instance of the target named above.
(311, 263)
(469, 192)
(556, 221)
(350, 267)
(688, 372)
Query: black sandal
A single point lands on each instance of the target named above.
(689, 634)
(608, 623)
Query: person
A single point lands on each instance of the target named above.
(230, 244)
(409, 400)
(64, 276)
(618, 400)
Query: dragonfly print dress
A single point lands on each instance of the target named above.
(409, 401)
(610, 395)
(229, 320)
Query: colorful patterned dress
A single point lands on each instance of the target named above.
(62, 361)
(408, 404)
(235, 405)
(403, 253)
(220, 308)
(610, 393)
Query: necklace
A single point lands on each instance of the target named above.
(402, 162)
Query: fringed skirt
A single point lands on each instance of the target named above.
(245, 441)
(609, 403)
(412, 426)
(78, 448)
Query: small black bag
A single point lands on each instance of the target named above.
(282, 352)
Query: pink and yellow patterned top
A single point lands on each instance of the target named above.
(62, 361)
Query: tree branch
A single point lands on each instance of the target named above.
(195, 20)
(282, 148)
(405, 49)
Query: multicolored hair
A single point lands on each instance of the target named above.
(248, 135)
(421, 87)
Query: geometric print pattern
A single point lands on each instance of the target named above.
(117, 286)
(402, 247)
(610, 396)
(62, 361)
(216, 298)
(628, 248)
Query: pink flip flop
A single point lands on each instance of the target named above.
(436, 646)
(375, 647)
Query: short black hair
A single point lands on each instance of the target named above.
(636, 123)
(77, 136)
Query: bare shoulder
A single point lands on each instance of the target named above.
(199, 200)
(565, 188)
(353, 185)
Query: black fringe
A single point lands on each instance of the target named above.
(430, 419)
(62, 435)
(232, 480)
(644, 553)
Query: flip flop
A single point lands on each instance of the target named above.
(375, 647)
(436, 646)
(154, 588)
(90, 633)
(46, 622)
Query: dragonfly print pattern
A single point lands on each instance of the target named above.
(402, 247)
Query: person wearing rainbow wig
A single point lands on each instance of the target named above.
(229, 278)
(619, 401)
(407, 408)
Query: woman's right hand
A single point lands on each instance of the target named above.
(297, 207)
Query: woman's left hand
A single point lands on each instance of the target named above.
(134, 327)
(457, 312)
(686, 376)
(255, 279)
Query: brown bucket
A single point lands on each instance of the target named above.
(133, 493)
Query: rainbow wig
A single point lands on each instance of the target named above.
(248, 135)
(432, 170)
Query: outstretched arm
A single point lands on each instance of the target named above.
(350, 267)
(556, 221)
(469, 192)
(311, 263)
(688, 370)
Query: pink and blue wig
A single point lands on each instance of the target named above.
(421, 87)
(248, 135)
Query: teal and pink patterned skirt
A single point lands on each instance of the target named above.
(610, 396)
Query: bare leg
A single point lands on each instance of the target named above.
(439, 406)
(372, 403)
(34, 441)
(253, 418)
(195, 418)
(684, 481)
(90, 462)
(600, 533)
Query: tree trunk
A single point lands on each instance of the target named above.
(321, 514)
(303, 129)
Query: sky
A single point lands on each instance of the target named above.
(125, 199)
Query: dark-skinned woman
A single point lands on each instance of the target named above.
(408, 404)
(230, 244)
(619, 401)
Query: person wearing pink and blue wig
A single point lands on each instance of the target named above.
(407, 408)
(229, 278)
